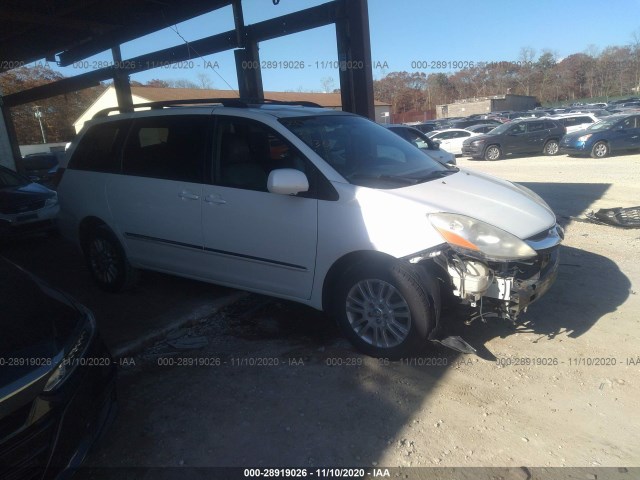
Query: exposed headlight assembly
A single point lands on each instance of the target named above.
(470, 236)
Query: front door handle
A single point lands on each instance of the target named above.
(188, 196)
(215, 199)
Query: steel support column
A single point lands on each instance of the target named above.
(9, 150)
(354, 56)
(247, 59)
(248, 72)
(121, 82)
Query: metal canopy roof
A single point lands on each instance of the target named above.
(77, 29)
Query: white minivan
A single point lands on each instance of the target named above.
(313, 205)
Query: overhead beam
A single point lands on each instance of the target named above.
(350, 17)
(296, 22)
(29, 18)
(162, 58)
(176, 13)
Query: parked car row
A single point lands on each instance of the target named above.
(536, 135)
(570, 134)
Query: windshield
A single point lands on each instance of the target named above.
(501, 128)
(364, 152)
(603, 124)
(9, 178)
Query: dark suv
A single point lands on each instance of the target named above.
(521, 136)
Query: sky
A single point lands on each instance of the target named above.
(406, 35)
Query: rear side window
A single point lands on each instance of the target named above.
(535, 126)
(584, 120)
(171, 148)
(98, 149)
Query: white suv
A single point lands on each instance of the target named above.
(574, 122)
(321, 207)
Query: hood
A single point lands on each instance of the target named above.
(36, 321)
(23, 195)
(478, 136)
(490, 199)
(29, 189)
(33, 314)
(578, 133)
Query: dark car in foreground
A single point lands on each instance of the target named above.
(615, 133)
(57, 380)
(25, 206)
(518, 137)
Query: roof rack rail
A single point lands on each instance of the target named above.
(301, 103)
(225, 102)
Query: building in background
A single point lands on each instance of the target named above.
(154, 94)
(497, 103)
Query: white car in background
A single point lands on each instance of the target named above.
(451, 139)
(574, 122)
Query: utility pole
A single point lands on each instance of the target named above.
(38, 115)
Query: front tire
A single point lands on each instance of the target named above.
(107, 261)
(384, 310)
(551, 147)
(492, 153)
(600, 150)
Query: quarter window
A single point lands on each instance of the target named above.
(535, 127)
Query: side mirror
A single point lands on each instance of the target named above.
(287, 181)
(436, 145)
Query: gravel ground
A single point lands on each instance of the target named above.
(282, 388)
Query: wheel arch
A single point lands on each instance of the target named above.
(427, 271)
(493, 144)
(602, 140)
(87, 225)
(344, 264)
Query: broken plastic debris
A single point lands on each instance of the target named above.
(617, 217)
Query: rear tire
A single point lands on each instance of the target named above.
(385, 310)
(107, 261)
(492, 153)
(600, 150)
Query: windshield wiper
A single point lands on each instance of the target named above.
(436, 174)
(389, 178)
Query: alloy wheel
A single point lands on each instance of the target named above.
(378, 313)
